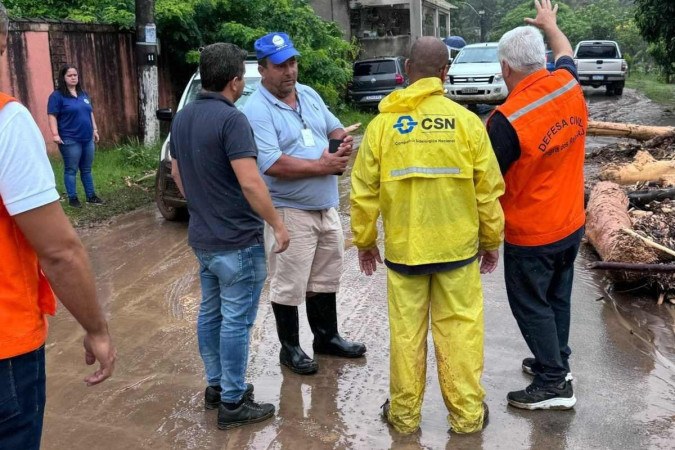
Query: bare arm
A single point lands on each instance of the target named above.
(546, 21)
(257, 195)
(53, 126)
(93, 122)
(66, 264)
(175, 174)
(289, 167)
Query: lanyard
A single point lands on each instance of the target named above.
(297, 111)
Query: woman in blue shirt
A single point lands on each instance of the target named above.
(73, 127)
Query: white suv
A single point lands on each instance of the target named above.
(475, 76)
(169, 200)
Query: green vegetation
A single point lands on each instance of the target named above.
(124, 177)
(350, 115)
(655, 21)
(653, 87)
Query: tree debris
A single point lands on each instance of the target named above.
(629, 130)
(643, 168)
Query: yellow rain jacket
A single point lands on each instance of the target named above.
(423, 149)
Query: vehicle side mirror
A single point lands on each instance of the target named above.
(164, 114)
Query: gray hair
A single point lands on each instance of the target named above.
(523, 49)
(4, 19)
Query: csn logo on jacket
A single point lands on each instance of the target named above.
(430, 123)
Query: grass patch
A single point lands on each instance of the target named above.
(349, 115)
(654, 88)
(123, 177)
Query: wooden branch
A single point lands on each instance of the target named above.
(649, 242)
(643, 168)
(605, 265)
(629, 130)
(639, 198)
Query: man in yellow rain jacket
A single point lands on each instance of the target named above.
(427, 165)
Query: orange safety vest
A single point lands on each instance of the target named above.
(544, 199)
(25, 293)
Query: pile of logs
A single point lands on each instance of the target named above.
(631, 212)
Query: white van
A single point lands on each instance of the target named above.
(168, 198)
(475, 76)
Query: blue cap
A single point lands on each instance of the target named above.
(276, 46)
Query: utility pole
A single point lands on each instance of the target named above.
(481, 14)
(146, 62)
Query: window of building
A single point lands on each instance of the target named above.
(443, 25)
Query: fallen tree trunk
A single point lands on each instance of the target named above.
(643, 168)
(629, 130)
(604, 265)
(641, 198)
(606, 217)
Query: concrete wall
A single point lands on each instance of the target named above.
(106, 61)
(384, 46)
(336, 11)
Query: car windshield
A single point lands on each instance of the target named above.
(597, 51)
(477, 55)
(374, 68)
(249, 88)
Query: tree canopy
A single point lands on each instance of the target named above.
(656, 24)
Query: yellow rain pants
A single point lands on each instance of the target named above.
(455, 300)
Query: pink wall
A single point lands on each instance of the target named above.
(39, 80)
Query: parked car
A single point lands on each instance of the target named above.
(376, 78)
(599, 63)
(170, 202)
(475, 76)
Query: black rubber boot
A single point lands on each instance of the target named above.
(291, 354)
(322, 316)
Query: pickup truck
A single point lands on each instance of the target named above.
(599, 63)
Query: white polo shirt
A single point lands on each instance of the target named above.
(26, 177)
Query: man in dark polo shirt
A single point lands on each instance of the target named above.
(214, 164)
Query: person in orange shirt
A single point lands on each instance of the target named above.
(538, 137)
(40, 250)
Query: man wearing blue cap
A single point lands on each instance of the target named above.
(292, 126)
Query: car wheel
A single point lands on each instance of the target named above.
(618, 88)
(610, 90)
(171, 213)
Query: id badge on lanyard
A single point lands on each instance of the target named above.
(307, 138)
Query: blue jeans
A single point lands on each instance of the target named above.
(539, 288)
(22, 400)
(231, 285)
(78, 155)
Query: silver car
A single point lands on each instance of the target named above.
(475, 76)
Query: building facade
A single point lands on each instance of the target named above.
(387, 27)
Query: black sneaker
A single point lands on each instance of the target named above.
(528, 368)
(95, 200)
(248, 412)
(74, 203)
(486, 418)
(212, 395)
(385, 410)
(486, 415)
(559, 396)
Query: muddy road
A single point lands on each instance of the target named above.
(623, 358)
